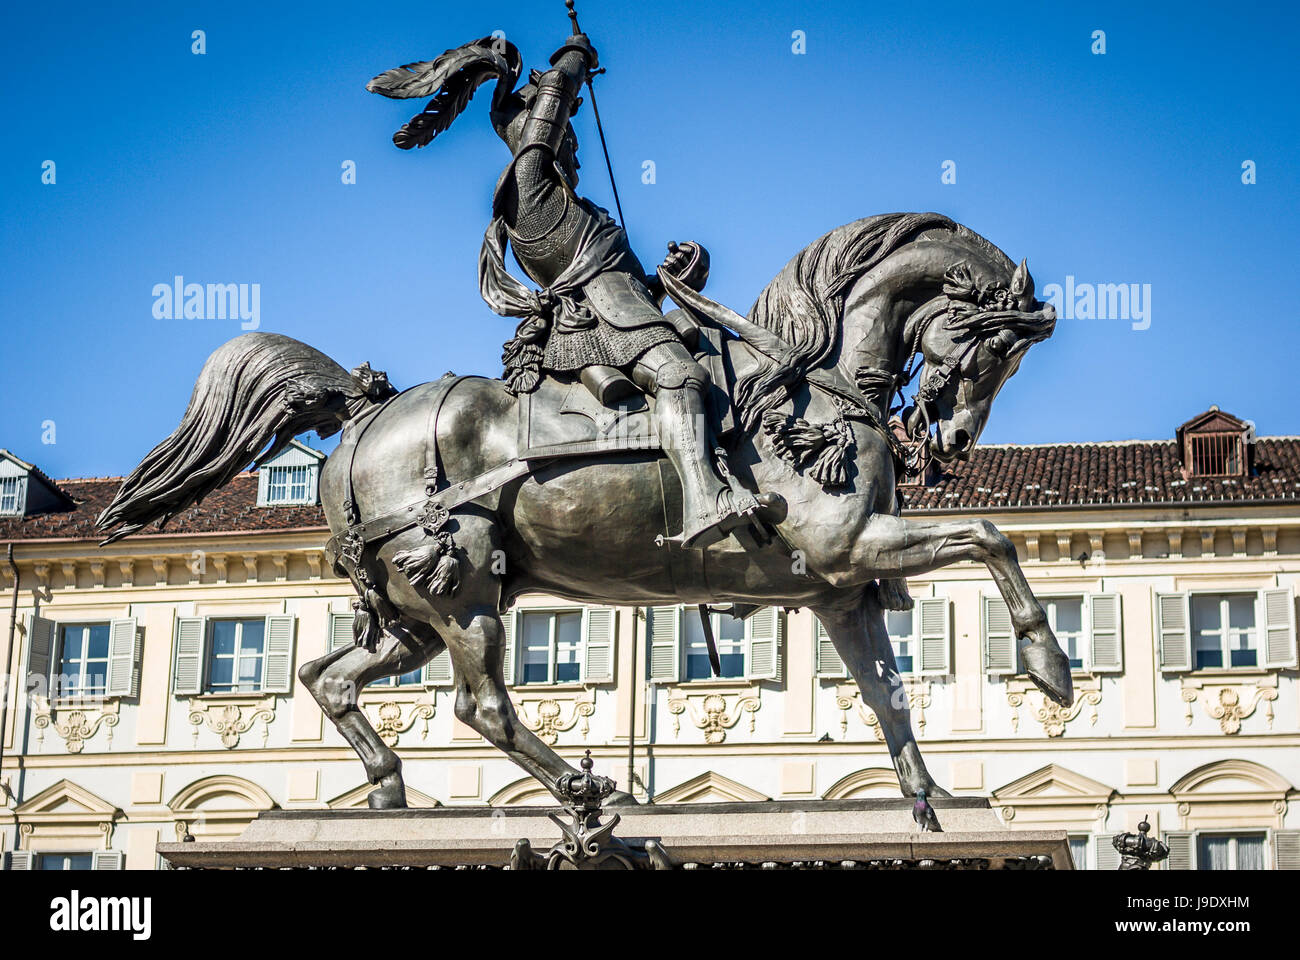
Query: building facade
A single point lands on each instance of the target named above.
(154, 694)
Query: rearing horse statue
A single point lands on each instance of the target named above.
(430, 488)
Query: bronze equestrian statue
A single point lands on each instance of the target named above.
(761, 458)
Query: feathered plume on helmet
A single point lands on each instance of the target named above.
(451, 79)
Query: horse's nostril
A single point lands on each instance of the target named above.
(961, 439)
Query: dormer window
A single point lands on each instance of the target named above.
(290, 478)
(1215, 444)
(25, 491)
(13, 496)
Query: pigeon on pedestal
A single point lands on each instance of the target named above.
(923, 814)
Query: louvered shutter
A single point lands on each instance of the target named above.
(1286, 849)
(508, 647)
(277, 664)
(340, 630)
(765, 630)
(1279, 627)
(438, 672)
(665, 644)
(1106, 637)
(22, 860)
(191, 644)
(934, 637)
(40, 654)
(999, 637)
(1182, 851)
(1104, 854)
(1173, 630)
(829, 663)
(124, 650)
(598, 657)
(106, 860)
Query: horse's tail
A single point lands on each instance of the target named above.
(254, 394)
(804, 302)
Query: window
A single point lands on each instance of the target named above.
(1215, 454)
(83, 660)
(1222, 851)
(12, 495)
(1065, 617)
(1223, 631)
(64, 861)
(551, 646)
(414, 678)
(237, 649)
(728, 633)
(901, 627)
(289, 484)
(1079, 843)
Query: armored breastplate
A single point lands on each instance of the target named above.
(545, 253)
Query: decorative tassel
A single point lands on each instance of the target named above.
(365, 633)
(432, 566)
(798, 441)
(446, 575)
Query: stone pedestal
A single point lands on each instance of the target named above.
(825, 834)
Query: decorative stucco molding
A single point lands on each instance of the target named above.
(393, 714)
(548, 717)
(848, 698)
(1230, 700)
(1051, 715)
(231, 719)
(715, 711)
(75, 722)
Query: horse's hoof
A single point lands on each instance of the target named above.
(1049, 668)
(389, 795)
(621, 798)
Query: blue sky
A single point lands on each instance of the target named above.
(226, 168)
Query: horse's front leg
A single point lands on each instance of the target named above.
(902, 547)
(862, 641)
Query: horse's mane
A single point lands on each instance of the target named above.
(803, 303)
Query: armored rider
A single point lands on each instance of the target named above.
(596, 306)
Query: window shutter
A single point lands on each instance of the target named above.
(264, 486)
(1104, 854)
(1286, 849)
(934, 636)
(1182, 851)
(124, 659)
(765, 629)
(1279, 627)
(277, 665)
(1107, 654)
(40, 652)
(829, 663)
(106, 860)
(340, 630)
(1173, 628)
(508, 647)
(191, 641)
(22, 860)
(598, 657)
(437, 672)
(999, 637)
(665, 644)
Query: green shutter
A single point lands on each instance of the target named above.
(765, 630)
(665, 644)
(1182, 850)
(934, 638)
(829, 663)
(598, 652)
(1286, 849)
(191, 642)
(277, 664)
(340, 630)
(508, 642)
(999, 637)
(1173, 632)
(40, 654)
(1105, 635)
(124, 648)
(1279, 627)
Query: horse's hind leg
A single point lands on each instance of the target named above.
(862, 641)
(337, 678)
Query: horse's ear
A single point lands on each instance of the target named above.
(1022, 284)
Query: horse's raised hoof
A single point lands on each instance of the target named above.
(621, 798)
(1049, 668)
(389, 795)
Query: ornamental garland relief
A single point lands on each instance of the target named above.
(1053, 717)
(550, 716)
(231, 720)
(848, 699)
(75, 723)
(1230, 701)
(392, 717)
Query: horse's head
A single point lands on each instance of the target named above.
(971, 339)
